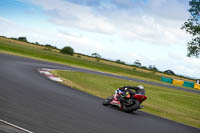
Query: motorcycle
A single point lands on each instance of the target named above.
(127, 101)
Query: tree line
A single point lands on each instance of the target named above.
(24, 39)
(68, 50)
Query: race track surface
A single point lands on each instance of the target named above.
(40, 105)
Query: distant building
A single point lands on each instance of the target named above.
(198, 81)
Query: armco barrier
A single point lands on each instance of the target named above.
(164, 79)
(197, 86)
(188, 84)
(178, 82)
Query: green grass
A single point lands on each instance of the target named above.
(32, 51)
(169, 103)
(27, 50)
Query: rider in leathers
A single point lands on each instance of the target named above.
(122, 90)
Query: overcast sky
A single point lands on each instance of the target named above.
(147, 30)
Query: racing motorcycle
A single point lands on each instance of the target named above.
(127, 101)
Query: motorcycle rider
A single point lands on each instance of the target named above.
(126, 99)
(122, 90)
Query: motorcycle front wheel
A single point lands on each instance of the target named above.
(107, 101)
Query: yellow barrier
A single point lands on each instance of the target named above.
(178, 82)
(197, 86)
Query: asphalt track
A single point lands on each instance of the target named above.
(40, 105)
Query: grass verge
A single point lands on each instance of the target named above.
(169, 103)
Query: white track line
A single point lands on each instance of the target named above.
(15, 126)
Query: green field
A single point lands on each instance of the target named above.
(169, 103)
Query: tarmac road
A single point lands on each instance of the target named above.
(40, 105)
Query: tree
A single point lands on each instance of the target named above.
(50, 46)
(137, 63)
(143, 67)
(97, 56)
(153, 67)
(36, 43)
(192, 26)
(67, 50)
(120, 62)
(22, 39)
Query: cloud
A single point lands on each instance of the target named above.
(155, 22)
(185, 65)
(74, 15)
(69, 34)
(82, 43)
(9, 28)
(168, 9)
(6, 21)
(151, 30)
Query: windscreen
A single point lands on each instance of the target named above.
(140, 91)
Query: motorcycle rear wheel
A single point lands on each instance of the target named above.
(131, 108)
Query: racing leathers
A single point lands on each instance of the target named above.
(122, 91)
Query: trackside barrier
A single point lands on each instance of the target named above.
(169, 80)
(181, 82)
(178, 82)
(188, 84)
(197, 86)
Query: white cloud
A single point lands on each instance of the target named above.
(168, 9)
(82, 43)
(4, 26)
(155, 22)
(69, 14)
(150, 29)
(184, 65)
(5, 21)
